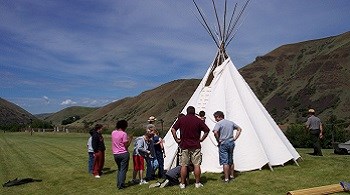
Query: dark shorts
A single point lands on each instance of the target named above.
(226, 152)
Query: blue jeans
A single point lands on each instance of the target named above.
(226, 152)
(122, 161)
(90, 162)
(150, 167)
(160, 160)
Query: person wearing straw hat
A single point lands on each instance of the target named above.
(152, 120)
(314, 125)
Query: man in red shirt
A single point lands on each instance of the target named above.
(190, 137)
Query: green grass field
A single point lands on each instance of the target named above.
(60, 160)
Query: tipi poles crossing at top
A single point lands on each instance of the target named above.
(229, 37)
(218, 21)
(225, 31)
(205, 24)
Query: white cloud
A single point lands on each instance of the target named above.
(47, 100)
(68, 102)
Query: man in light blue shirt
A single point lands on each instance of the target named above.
(223, 132)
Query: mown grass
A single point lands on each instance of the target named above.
(60, 160)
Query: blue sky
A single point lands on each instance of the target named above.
(60, 53)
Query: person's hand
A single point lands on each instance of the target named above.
(321, 135)
(178, 140)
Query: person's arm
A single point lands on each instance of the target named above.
(173, 132)
(204, 136)
(217, 136)
(128, 141)
(307, 124)
(239, 130)
(158, 142)
(321, 130)
(94, 142)
(162, 147)
(206, 130)
(141, 148)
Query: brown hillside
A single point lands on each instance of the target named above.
(295, 77)
(10, 114)
(163, 102)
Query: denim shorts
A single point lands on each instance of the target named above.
(226, 152)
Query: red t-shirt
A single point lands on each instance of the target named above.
(190, 131)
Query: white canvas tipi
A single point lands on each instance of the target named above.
(261, 142)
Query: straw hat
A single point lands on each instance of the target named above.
(152, 118)
(311, 111)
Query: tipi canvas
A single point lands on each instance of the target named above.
(261, 142)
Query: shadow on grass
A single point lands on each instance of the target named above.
(204, 179)
(107, 171)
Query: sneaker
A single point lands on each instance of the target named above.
(143, 182)
(232, 177)
(198, 185)
(182, 186)
(121, 187)
(154, 185)
(97, 176)
(165, 183)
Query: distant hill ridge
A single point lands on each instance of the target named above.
(288, 81)
(58, 117)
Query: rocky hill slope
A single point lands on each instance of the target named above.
(295, 77)
(11, 114)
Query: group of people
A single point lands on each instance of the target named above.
(190, 139)
(149, 148)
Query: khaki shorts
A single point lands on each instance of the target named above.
(191, 156)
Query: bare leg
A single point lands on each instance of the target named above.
(141, 174)
(183, 174)
(227, 172)
(232, 170)
(197, 173)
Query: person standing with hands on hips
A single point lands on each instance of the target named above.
(223, 132)
(190, 138)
